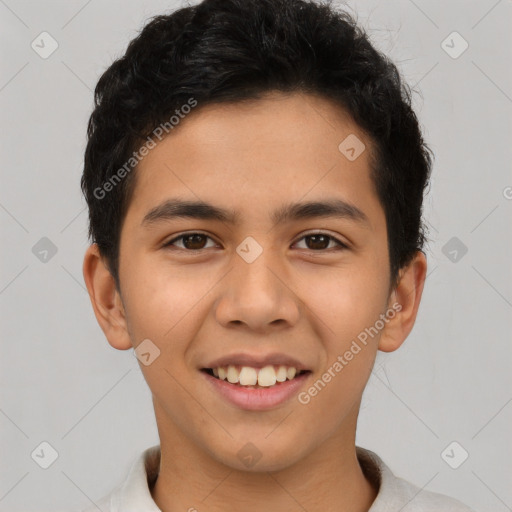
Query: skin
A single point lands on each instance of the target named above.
(308, 303)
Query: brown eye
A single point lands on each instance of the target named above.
(318, 241)
(190, 241)
(321, 241)
(194, 241)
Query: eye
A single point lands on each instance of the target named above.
(190, 241)
(198, 241)
(321, 241)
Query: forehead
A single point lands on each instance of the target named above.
(257, 155)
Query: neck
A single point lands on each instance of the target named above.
(328, 479)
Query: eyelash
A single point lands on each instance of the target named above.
(340, 244)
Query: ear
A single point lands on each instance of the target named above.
(404, 300)
(105, 298)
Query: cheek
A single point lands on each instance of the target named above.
(344, 307)
(168, 305)
(348, 312)
(334, 396)
(342, 301)
(159, 299)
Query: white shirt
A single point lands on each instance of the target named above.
(394, 495)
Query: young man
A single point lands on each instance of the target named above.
(255, 176)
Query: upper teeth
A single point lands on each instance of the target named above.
(249, 376)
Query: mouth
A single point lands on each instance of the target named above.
(250, 377)
(256, 389)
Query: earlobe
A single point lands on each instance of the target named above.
(404, 300)
(105, 299)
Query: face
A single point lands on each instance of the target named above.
(255, 278)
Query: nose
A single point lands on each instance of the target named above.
(258, 295)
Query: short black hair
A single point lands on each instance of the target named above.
(235, 50)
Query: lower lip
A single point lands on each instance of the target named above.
(257, 399)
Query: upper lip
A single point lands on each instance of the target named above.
(256, 360)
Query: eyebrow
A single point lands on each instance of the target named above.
(176, 208)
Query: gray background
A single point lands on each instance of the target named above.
(62, 383)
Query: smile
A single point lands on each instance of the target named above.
(256, 388)
(249, 376)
